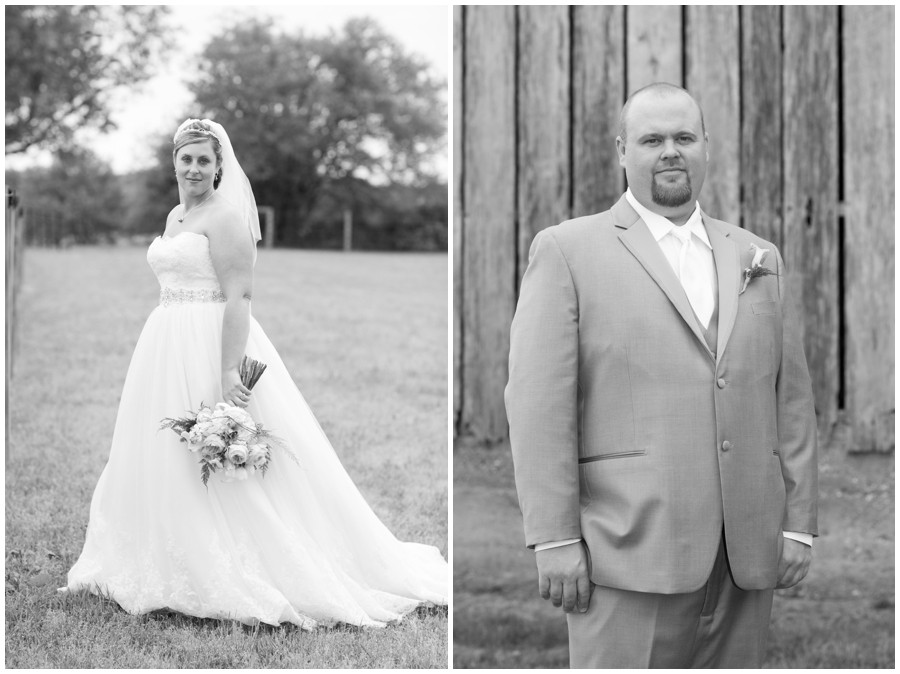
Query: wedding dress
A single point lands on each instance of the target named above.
(299, 545)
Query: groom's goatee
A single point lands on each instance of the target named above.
(675, 195)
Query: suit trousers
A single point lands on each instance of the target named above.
(719, 625)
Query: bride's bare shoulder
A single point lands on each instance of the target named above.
(224, 216)
(225, 228)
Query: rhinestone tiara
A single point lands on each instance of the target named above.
(205, 132)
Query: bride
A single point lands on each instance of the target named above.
(299, 545)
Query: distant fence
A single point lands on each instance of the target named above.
(55, 228)
(799, 107)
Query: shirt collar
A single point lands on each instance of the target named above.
(660, 225)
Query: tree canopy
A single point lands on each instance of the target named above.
(63, 61)
(310, 116)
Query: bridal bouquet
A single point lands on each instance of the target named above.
(226, 437)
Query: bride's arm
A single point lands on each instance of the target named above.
(231, 249)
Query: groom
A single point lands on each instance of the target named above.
(661, 414)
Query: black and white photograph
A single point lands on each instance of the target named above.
(227, 330)
(673, 320)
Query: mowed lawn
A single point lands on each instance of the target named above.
(840, 616)
(364, 336)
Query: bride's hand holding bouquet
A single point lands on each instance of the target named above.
(233, 389)
(226, 437)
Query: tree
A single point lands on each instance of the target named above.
(78, 193)
(304, 114)
(63, 61)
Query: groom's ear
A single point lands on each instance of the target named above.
(620, 150)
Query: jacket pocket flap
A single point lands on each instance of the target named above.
(767, 307)
(616, 455)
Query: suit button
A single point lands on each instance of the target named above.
(721, 383)
(726, 446)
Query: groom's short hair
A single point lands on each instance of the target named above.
(663, 89)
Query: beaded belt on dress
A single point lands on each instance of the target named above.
(169, 296)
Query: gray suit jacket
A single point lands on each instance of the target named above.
(627, 431)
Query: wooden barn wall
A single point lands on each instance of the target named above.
(799, 107)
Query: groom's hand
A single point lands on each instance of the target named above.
(794, 564)
(563, 576)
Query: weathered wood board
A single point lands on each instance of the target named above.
(654, 45)
(489, 189)
(543, 168)
(761, 177)
(869, 229)
(713, 79)
(598, 94)
(457, 115)
(810, 147)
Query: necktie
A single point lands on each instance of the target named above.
(693, 278)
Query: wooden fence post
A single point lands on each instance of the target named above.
(348, 229)
(869, 228)
(14, 242)
(268, 233)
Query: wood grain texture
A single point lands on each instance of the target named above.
(654, 45)
(598, 65)
(868, 36)
(810, 146)
(544, 122)
(761, 177)
(775, 73)
(713, 79)
(458, 168)
(489, 188)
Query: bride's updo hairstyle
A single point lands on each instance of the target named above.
(198, 132)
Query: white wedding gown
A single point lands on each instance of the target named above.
(299, 545)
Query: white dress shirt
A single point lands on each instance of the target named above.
(661, 229)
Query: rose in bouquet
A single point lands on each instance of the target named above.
(226, 438)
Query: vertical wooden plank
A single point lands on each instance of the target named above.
(868, 40)
(761, 121)
(654, 45)
(598, 67)
(458, 169)
(489, 253)
(544, 122)
(713, 73)
(810, 247)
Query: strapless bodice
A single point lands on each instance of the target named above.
(183, 262)
(184, 269)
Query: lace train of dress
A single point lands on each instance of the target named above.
(300, 545)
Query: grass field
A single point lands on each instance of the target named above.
(365, 338)
(840, 616)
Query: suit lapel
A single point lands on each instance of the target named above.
(728, 263)
(637, 238)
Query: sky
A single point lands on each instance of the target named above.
(144, 113)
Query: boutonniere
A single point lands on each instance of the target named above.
(755, 270)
